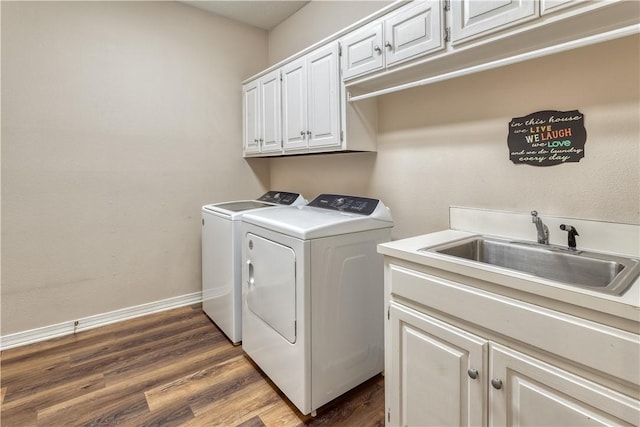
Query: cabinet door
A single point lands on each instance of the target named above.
(362, 51)
(549, 6)
(324, 97)
(474, 18)
(251, 117)
(535, 393)
(432, 365)
(294, 105)
(270, 112)
(414, 31)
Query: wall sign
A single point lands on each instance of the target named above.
(547, 138)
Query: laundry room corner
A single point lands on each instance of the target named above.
(115, 131)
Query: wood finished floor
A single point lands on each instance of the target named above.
(168, 369)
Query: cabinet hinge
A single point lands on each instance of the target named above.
(339, 49)
(388, 313)
(447, 34)
(388, 415)
(341, 136)
(447, 5)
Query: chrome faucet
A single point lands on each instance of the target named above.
(543, 230)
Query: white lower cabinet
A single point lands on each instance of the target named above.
(526, 391)
(437, 372)
(459, 356)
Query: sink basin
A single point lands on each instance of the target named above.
(595, 271)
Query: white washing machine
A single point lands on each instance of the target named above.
(312, 282)
(221, 257)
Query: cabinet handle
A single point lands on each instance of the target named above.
(261, 140)
(309, 133)
(377, 49)
(302, 134)
(473, 373)
(496, 383)
(387, 44)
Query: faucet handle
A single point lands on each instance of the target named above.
(534, 216)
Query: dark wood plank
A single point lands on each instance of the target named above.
(207, 384)
(168, 416)
(232, 404)
(360, 407)
(252, 422)
(120, 359)
(115, 413)
(82, 341)
(167, 369)
(55, 395)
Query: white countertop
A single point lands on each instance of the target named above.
(626, 306)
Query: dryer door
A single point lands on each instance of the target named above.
(271, 290)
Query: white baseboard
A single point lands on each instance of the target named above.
(67, 328)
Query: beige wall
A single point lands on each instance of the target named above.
(316, 21)
(446, 144)
(119, 121)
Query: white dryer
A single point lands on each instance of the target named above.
(221, 257)
(313, 309)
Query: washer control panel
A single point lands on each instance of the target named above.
(279, 197)
(351, 204)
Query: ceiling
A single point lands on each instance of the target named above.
(262, 14)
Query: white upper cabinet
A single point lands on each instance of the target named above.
(294, 100)
(300, 108)
(251, 117)
(270, 112)
(550, 6)
(409, 32)
(261, 115)
(300, 105)
(425, 42)
(324, 97)
(362, 51)
(475, 18)
(311, 100)
(414, 31)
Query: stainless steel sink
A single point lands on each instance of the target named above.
(595, 271)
